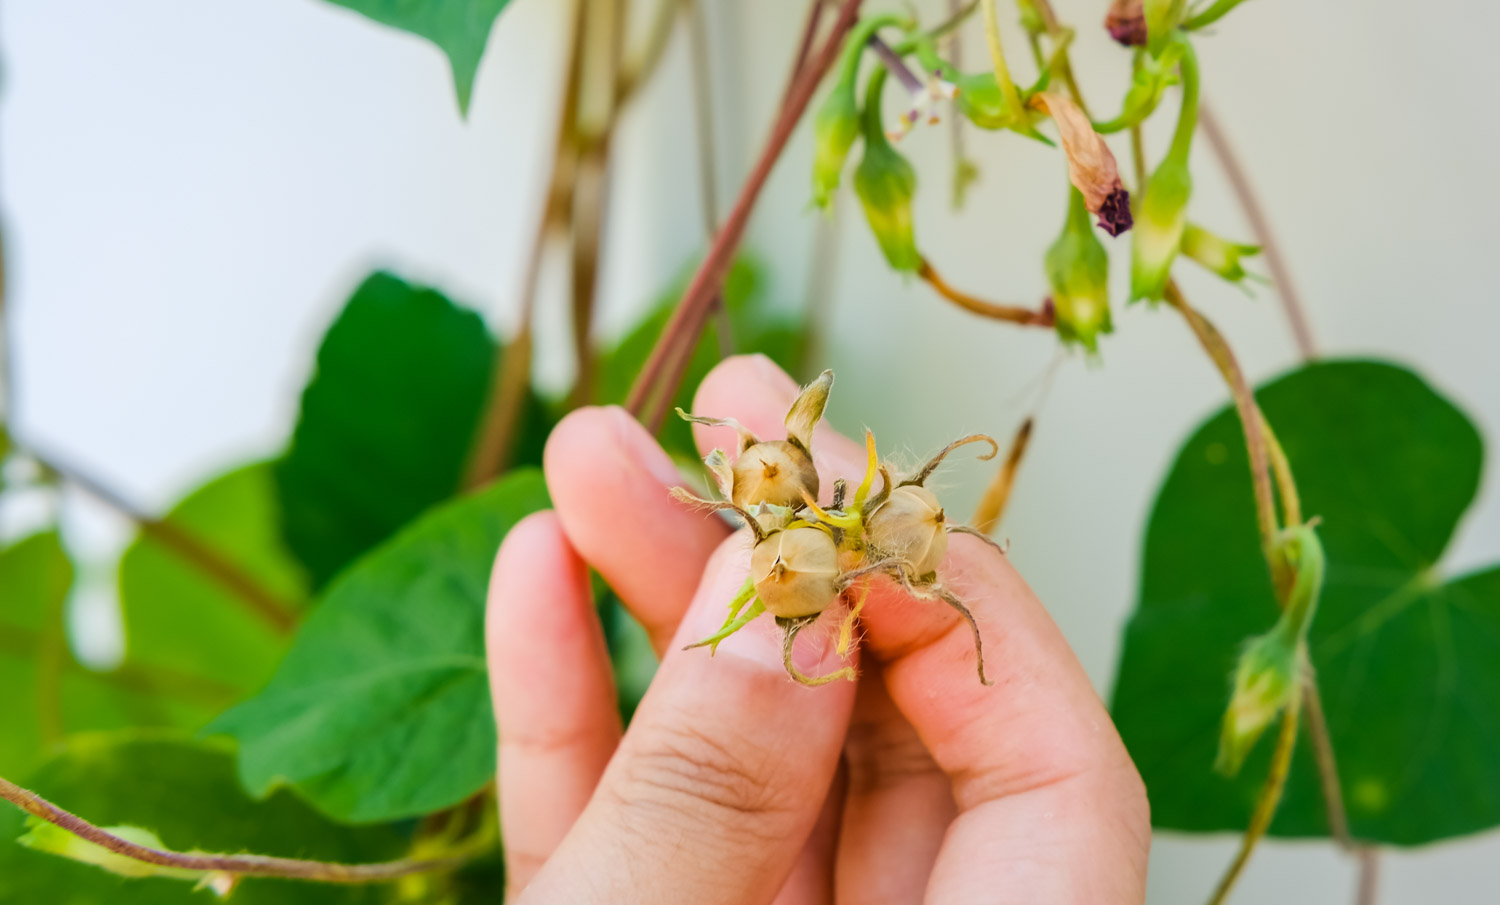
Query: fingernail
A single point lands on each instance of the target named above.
(642, 449)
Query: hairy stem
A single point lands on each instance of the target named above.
(1265, 805)
(269, 606)
(1260, 227)
(1015, 314)
(1244, 402)
(1328, 771)
(649, 397)
(236, 865)
(997, 56)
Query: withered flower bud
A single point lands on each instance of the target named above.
(796, 572)
(1126, 22)
(910, 526)
(1091, 165)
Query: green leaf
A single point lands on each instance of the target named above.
(46, 692)
(754, 323)
(185, 792)
(1408, 661)
(188, 629)
(386, 422)
(460, 29)
(381, 709)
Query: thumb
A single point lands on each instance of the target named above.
(720, 778)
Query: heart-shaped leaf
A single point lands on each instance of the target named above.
(381, 709)
(460, 28)
(1408, 660)
(387, 421)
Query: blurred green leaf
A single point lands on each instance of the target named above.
(43, 686)
(381, 709)
(460, 29)
(184, 791)
(756, 326)
(1408, 661)
(386, 422)
(185, 626)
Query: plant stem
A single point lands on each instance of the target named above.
(992, 505)
(708, 170)
(1187, 117)
(686, 324)
(276, 612)
(637, 70)
(236, 865)
(1211, 15)
(1015, 314)
(1058, 33)
(495, 438)
(598, 112)
(997, 57)
(1369, 876)
(1328, 771)
(1138, 160)
(1244, 402)
(1265, 805)
(1260, 226)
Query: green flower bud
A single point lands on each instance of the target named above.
(796, 572)
(886, 183)
(1216, 254)
(834, 131)
(1266, 679)
(837, 122)
(910, 526)
(1031, 17)
(1158, 229)
(1078, 269)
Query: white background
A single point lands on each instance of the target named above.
(191, 188)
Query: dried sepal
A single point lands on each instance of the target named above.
(925, 472)
(1091, 165)
(1000, 548)
(683, 495)
(933, 591)
(747, 439)
(807, 410)
(790, 626)
(730, 626)
(718, 466)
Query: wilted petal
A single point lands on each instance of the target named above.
(1091, 165)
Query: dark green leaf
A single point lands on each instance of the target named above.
(460, 28)
(186, 792)
(1409, 662)
(185, 627)
(386, 422)
(381, 709)
(755, 327)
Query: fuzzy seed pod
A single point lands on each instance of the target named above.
(910, 526)
(775, 472)
(1091, 165)
(796, 572)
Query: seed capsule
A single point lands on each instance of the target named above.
(910, 526)
(796, 572)
(775, 472)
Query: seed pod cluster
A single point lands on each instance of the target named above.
(807, 558)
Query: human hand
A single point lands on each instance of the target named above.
(736, 785)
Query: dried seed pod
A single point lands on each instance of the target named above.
(796, 572)
(910, 527)
(775, 472)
